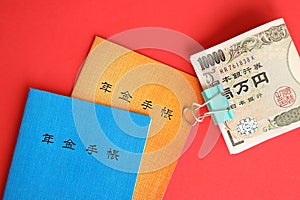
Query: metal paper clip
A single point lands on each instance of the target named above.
(216, 103)
(195, 107)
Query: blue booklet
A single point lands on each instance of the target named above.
(72, 149)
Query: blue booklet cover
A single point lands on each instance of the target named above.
(72, 149)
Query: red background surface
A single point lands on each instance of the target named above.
(43, 43)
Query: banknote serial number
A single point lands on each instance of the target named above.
(218, 57)
(234, 65)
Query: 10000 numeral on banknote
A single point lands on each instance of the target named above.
(260, 73)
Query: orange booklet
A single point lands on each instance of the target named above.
(116, 76)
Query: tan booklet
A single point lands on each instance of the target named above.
(116, 76)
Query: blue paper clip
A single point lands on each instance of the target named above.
(217, 104)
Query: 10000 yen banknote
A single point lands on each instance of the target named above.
(260, 74)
